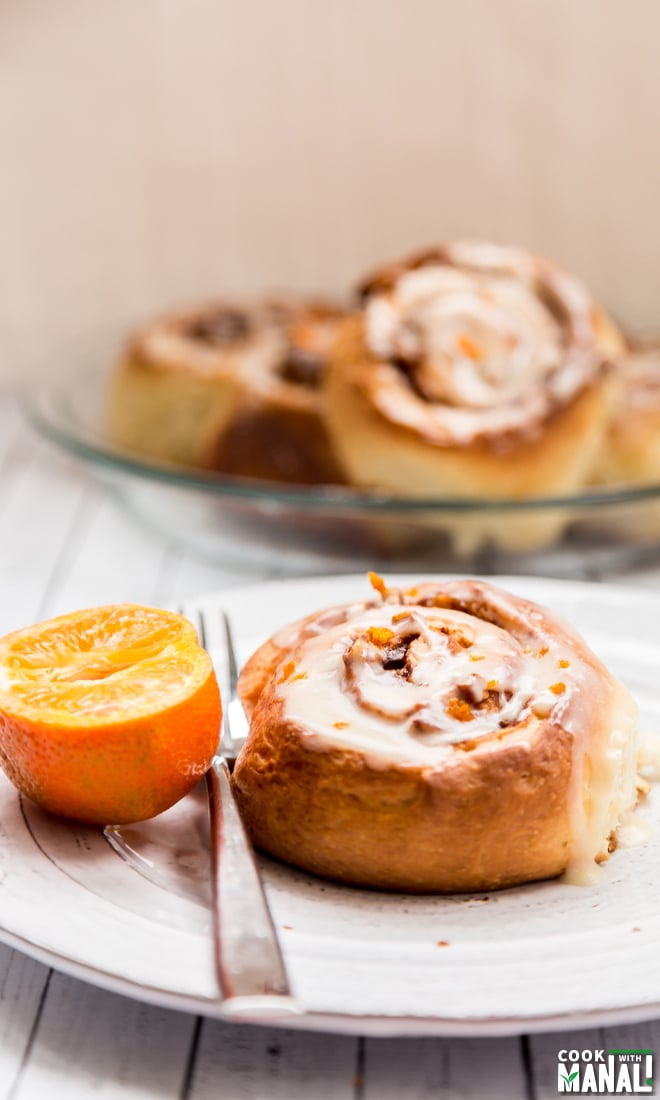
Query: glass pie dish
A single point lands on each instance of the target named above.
(321, 529)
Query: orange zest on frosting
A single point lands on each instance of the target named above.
(468, 347)
(542, 651)
(287, 671)
(380, 635)
(558, 689)
(477, 657)
(340, 725)
(563, 664)
(460, 710)
(378, 583)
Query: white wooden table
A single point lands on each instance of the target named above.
(66, 544)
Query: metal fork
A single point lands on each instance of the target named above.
(249, 964)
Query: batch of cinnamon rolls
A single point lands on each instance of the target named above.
(470, 370)
(444, 737)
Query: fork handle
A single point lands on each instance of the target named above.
(249, 963)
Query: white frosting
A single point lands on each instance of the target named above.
(442, 314)
(634, 830)
(412, 720)
(485, 351)
(256, 356)
(648, 759)
(170, 348)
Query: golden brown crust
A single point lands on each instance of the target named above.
(257, 671)
(405, 828)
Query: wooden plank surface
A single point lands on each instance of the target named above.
(95, 1042)
(23, 983)
(453, 1068)
(291, 1065)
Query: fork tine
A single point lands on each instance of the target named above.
(232, 664)
(235, 724)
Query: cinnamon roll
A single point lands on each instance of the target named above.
(631, 450)
(474, 370)
(233, 389)
(444, 738)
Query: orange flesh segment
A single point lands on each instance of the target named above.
(93, 668)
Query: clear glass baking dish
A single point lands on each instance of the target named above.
(328, 529)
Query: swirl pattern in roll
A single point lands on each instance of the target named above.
(445, 738)
(231, 388)
(474, 370)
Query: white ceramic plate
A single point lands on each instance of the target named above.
(541, 957)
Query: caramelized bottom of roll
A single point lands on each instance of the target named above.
(275, 442)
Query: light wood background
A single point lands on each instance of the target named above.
(154, 150)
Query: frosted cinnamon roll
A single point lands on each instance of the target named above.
(446, 738)
(474, 371)
(631, 451)
(234, 389)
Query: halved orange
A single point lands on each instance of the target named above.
(107, 715)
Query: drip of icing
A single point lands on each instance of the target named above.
(648, 757)
(634, 830)
(603, 784)
(587, 873)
